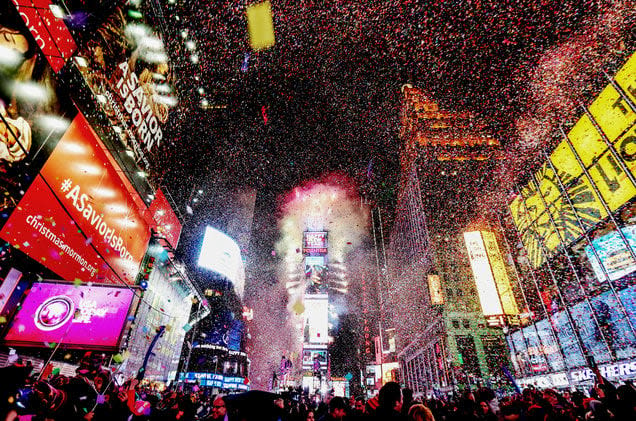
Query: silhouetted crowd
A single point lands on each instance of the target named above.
(93, 394)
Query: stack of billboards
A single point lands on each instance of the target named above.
(315, 355)
(70, 213)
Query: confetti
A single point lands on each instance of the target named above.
(260, 25)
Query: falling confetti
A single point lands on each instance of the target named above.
(260, 25)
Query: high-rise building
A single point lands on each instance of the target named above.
(442, 337)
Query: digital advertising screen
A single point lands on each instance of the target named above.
(77, 316)
(316, 320)
(482, 272)
(611, 254)
(78, 218)
(310, 355)
(435, 289)
(316, 273)
(502, 281)
(126, 67)
(541, 225)
(53, 36)
(35, 109)
(315, 242)
(220, 254)
(164, 220)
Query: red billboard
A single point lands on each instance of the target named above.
(78, 217)
(315, 242)
(164, 220)
(48, 30)
(86, 317)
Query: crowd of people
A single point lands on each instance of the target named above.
(94, 395)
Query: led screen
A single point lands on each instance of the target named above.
(221, 254)
(482, 272)
(315, 242)
(317, 320)
(542, 212)
(78, 214)
(615, 257)
(435, 289)
(309, 355)
(81, 316)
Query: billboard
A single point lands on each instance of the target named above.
(614, 256)
(126, 67)
(164, 220)
(79, 218)
(220, 254)
(542, 213)
(35, 110)
(311, 354)
(482, 272)
(48, 30)
(502, 282)
(215, 380)
(316, 275)
(435, 289)
(316, 328)
(314, 242)
(87, 317)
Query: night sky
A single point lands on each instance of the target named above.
(329, 88)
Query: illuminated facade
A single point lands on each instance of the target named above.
(315, 355)
(443, 339)
(570, 226)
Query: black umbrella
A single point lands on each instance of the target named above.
(253, 405)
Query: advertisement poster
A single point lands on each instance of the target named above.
(164, 220)
(78, 218)
(482, 272)
(311, 355)
(316, 274)
(315, 243)
(614, 254)
(87, 317)
(126, 67)
(221, 254)
(48, 30)
(34, 112)
(316, 328)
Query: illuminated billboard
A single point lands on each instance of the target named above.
(316, 320)
(78, 218)
(77, 316)
(314, 242)
(220, 254)
(164, 220)
(502, 282)
(615, 257)
(482, 272)
(316, 275)
(314, 354)
(49, 30)
(126, 67)
(435, 289)
(565, 196)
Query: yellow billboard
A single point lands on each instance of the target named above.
(581, 174)
(502, 282)
(482, 272)
(435, 289)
